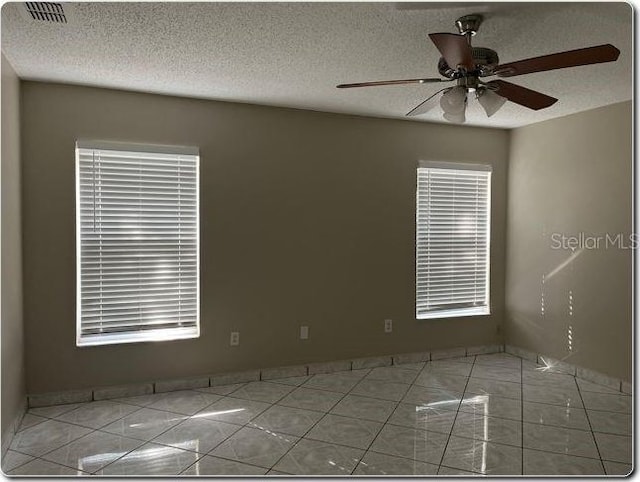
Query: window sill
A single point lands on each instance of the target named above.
(138, 337)
(459, 313)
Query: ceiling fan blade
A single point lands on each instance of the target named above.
(454, 48)
(561, 60)
(426, 105)
(521, 95)
(391, 82)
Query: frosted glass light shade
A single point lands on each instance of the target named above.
(491, 102)
(454, 104)
(459, 118)
(453, 101)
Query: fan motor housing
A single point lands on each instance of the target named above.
(484, 58)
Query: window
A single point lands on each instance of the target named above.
(137, 233)
(452, 240)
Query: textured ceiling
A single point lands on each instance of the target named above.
(293, 54)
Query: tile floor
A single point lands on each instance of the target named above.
(485, 414)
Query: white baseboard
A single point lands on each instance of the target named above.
(575, 370)
(101, 393)
(117, 391)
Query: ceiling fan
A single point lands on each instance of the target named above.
(467, 65)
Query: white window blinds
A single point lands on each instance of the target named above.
(137, 243)
(452, 240)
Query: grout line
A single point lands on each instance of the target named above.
(144, 442)
(208, 454)
(185, 419)
(83, 473)
(302, 437)
(384, 424)
(325, 414)
(593, 435)
(241, 426)
(92, 430)
(444, 451)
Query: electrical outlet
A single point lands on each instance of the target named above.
(388, 326)
(304, 332)
(235, 338)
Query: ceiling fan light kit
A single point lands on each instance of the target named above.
(467, 66)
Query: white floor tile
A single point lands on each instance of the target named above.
(609, 422)
(93, 451)
(12, 460)
(545, 463)
(391, 374)
(498, 388)
(288, 420)
(615, 448)
(433, 397)
(295, 381)
(29, 420)
(209, 465)
(151, 459)
(348, 431)
(144, 424)
(496, 373)
(388, 420)
(447, 367)
(45, 437)
(312, 457)
(43, 467)
(335, 382)
(256, 447)
(53, 410)
(198, 434)
(615, 468)
(364, 407)
(233, 410)
(607, 402)
(410, 443)
(310, 399)
(565, 397)
(442, 381)
(262, 391)
(423, 417)
(587, 386)
(374, 463)
(381, 389)
(560, 440)
(221, 389)
(492, 406)
(483, 457)
(490, 429)
(185, 402)
(544, 414)
(97, 414)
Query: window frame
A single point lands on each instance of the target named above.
(152, 335)
(481, 310)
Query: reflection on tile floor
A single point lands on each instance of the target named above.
(488, 414)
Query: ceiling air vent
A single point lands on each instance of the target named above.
(46, 11)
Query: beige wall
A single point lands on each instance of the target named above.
(306, 218)
(569, 176)
(13, 375)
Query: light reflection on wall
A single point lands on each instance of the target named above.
(542, 297)
(570, 328)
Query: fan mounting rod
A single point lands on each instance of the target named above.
(469, 24)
